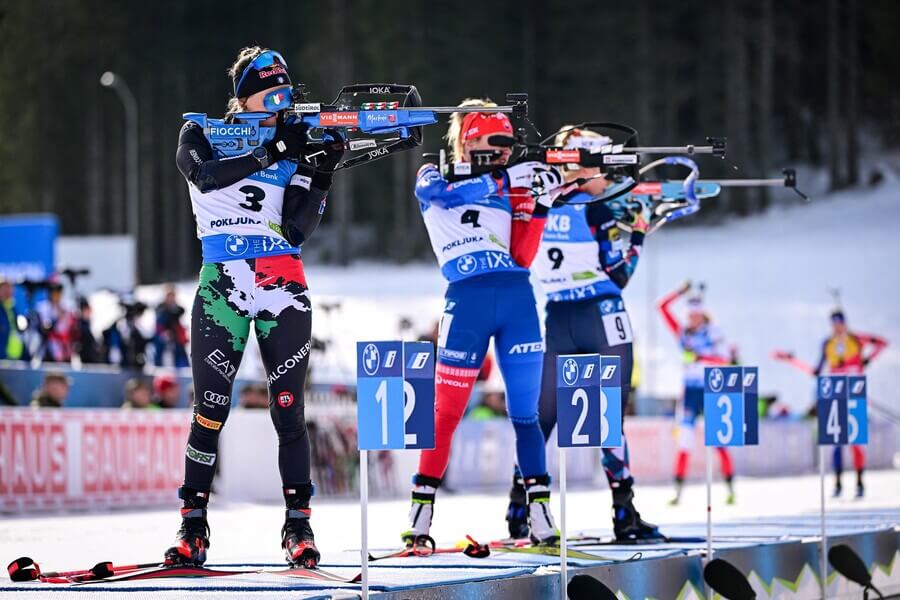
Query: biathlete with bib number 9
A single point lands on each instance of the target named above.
(485, 231)
(702, 345)
(843, 353)
(586, 258)
(253, 211)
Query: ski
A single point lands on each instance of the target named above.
(525, 547)
(162, 571)
(316, 574)
(25, 569)
(470, 548)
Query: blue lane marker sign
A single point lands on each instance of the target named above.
(418, 386)
(730, 396)
(841, 410)
(395, 400)
(611, 401)
(857, 413)
(751, 406)
(585, 413)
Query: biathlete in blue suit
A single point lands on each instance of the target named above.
(485, 231)
(586, 258)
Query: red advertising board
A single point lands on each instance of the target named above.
(71, 458)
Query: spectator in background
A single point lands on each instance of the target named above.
(6, 397)
(254, 395)
(166, 390)
(138, 394)
(11, 345)
(124, 342)
(85, 343)
(493, 405)
(171, 335)
(57, 325)
(53, 392)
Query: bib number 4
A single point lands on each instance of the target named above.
(470, 217)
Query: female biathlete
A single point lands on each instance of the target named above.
(252, 211)
(584, 261)
(702, 345)
(843, 353)
(485, 231)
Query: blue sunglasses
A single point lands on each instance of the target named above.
(278, 99)
(266, 59)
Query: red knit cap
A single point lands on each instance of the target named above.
(480, 124)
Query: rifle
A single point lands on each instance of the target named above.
(370, 128)
(620, 160)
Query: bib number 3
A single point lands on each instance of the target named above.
(253, 197)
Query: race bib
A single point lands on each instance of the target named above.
(617, 328)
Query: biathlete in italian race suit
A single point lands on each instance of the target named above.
(844, 353)
(485, 231)
(585, 259)
(252, 211)
(702, 345)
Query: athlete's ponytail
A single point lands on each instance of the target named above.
(245, 57)
(566, 132)
(453, 137)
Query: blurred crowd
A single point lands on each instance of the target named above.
(54, 328)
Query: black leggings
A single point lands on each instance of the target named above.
(271, 292)
(586, 327)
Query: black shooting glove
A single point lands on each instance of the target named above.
(325, 156)
(288, 142)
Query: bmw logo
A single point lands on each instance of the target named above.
(466, 264)
(606, 306)
(370, 359)
(236, 245)
(570, 371)
(716, 379)
(825, 386)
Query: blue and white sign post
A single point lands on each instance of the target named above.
(842, 417)
(730, 418)
(589, 414)
(394, 410)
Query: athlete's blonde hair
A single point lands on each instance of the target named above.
(569, 131)
(453, 137)
(245, 57)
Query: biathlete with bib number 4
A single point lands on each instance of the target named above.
(702, 345)
(843, 353)
(485, 232)
(253, 211)
(586, 258)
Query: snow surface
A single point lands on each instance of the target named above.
(250, 533)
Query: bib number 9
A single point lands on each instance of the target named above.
(617, 328)
(556, 257)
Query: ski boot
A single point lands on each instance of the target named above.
(297, 537)
(679, 484)
(416, 538)
(517, 511)
(627, 522)
(838, 489)
(542, 528)
(192, 539)
(860, 488)
(730, 500)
